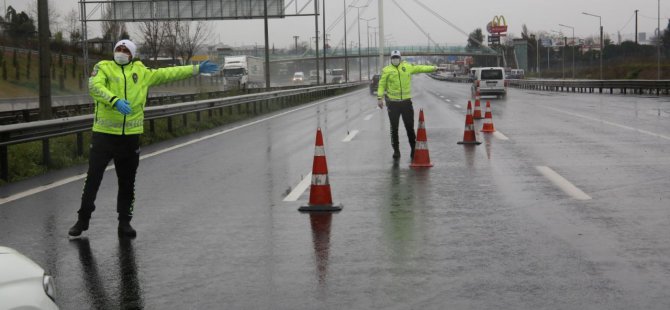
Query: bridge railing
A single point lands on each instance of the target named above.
(251, 104)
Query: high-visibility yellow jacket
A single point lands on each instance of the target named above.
(397, 81)
(110, 82)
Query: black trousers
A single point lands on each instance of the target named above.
(125, 151)
(396, 109)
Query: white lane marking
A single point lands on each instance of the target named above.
(300, 188)
(43, 188)
(369, 117)
(562, 183)
(653, 134)
(350, 136)
(457, 106)
(441, 96)
(500, 135)
(447, 100)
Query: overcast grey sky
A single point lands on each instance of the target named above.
(544, 15)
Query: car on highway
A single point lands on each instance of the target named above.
(23, 283)
(298, 77)
(489, 81)
(374, 84)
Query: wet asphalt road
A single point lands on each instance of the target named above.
(483, 229)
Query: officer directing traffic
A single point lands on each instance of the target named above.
(396, 79)
(119, 88)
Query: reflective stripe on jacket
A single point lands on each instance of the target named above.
(110, 82)
(397, 81)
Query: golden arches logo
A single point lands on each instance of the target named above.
(497, 25)
(498, 21)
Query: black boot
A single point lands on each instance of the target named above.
(125, 230)
(78, 227)
(396, 153)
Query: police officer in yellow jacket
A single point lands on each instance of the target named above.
(396, 80)
(120, 88)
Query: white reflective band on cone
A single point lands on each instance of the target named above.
(421, 145)
(422, 125)
(319, 151)
(320, 179)
(470, 127)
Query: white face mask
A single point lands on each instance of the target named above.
(121, 58)
(395, 61)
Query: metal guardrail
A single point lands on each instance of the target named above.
(590, 86)
(659, 87)
(253, 103)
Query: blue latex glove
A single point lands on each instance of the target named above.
(123, 106)
(208, 67)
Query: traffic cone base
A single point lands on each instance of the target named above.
(321, 208)
(320, 198)
(421, 155)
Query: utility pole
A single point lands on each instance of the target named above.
(325, 75)
(346, 60)
(316, 38)
(658, 41)
(380, 15)
(358, 22)
(573, 47)
(267, 46)
(367, 53)
(45, 59)
(602, 48)
(636, 26)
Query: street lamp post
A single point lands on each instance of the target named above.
(346, 60)
(602, 48)
(358, 22)
(573, 47)
(367, 52)
(658, 41)
(560, 34)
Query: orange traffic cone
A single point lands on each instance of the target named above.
(478, 109)
(469, 135)
(421, 156)
(320, 198)
(488, 121)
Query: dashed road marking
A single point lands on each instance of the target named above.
(350, 136)
(369, 117)
(457, 106)
(653, 134)
(447, 100)
(300, 188)
(562, 183)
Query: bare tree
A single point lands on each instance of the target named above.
(54, 16)
(191, 37)
(172, 30)
(112, 30)
(152, 34)
(71, 20)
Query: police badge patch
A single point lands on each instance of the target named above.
(135, 77)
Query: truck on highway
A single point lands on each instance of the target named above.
(243, 71)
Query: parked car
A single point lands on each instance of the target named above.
(23, 283)
(489, 81)
(374, 84)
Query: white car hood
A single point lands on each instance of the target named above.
(16, 267)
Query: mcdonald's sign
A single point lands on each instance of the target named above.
(497, 25)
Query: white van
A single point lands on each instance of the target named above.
(489, 81)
